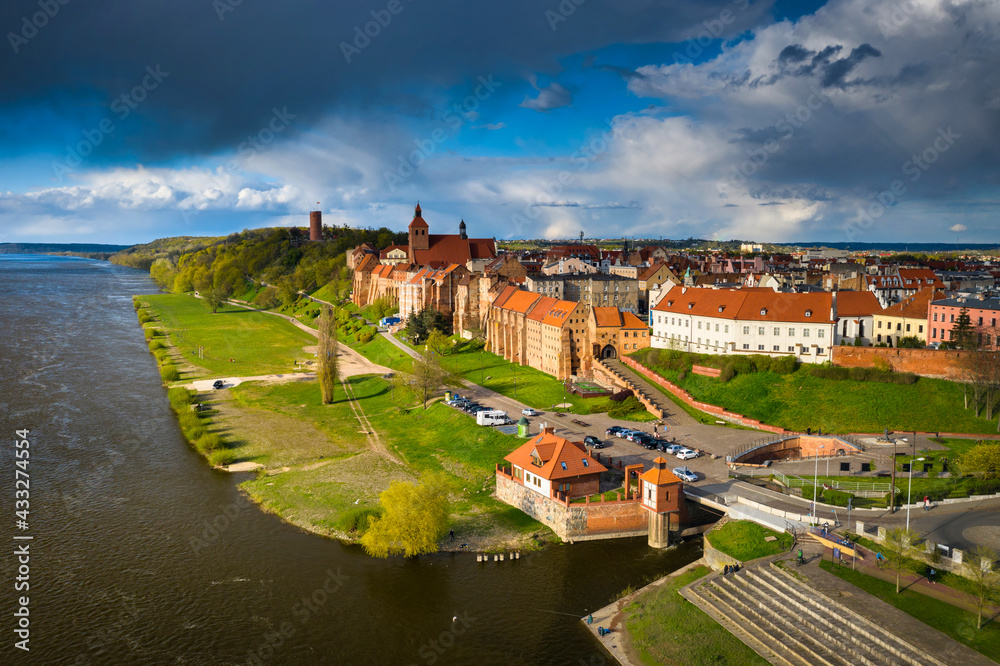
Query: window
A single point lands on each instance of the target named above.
(880, 321)
(727, 328)
(920, 329)
(791, 332)
(777, 347)
(809, 313)
(563, 465)
(760, 330)
(952, 318)
(699, 341)
(716, 328)
(699, 325)
(935, 316)
(805, 332)
(763, 311)
(777, 331)
(791, 348)
(819, 350)
(760, 347)
(933, 332)
(821, 333)
(899, 325)
(586, 463)
(879, 337)
(746, 330)
(907, 328)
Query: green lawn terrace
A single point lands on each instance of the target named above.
(468, 360)
(798, 400)
(233, 341)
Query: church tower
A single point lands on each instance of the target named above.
(461, 231)
(418, 235)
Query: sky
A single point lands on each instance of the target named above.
(844, 121)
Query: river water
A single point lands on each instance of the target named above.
(126, 567)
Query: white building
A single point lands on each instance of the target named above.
(745, 321)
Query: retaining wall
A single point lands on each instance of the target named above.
(575, 522)
(943, 364)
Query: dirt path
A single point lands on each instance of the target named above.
(374, 441)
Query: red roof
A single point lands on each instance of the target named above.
(560, 458)
(913, 306)
(559, 313)
(542, 308)
(748, 304)
(857, 304)
(607, 316)
(453, 249)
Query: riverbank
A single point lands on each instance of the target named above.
(322, 467)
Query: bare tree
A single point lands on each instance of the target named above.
(899, 544)
(980, 568)
(326, 355)
(428, 376)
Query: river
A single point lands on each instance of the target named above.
(126, 567)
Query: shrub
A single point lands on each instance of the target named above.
(626, 407)
(836, 497)
(727, 374)
(681, 376)
(266, 298)
(208, 442)
(180, 397)
(149, 333)
(222, 457)
(621, 395)
(356, 520)
(154, 345)
(144, 317)
(367, 335)
(136, 303)
(169, 373)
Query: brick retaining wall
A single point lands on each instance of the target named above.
(938, 363)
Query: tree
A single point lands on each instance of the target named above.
(416, 329)
(326, 354)
(899, 546)
(963, 335)
(414, 518)
(982, 460)
(980, 567)
(214, 298)
(910, 342)
(438, 342)
(428, 375)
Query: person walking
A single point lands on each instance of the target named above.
(927, 503)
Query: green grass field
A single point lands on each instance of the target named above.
(438, 439)
(260, 343)
(798, 401)
(955, 622)
(666, 628)
(533, 387)
(744, 540)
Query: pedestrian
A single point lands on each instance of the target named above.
(927, 503)
(654, 430)
(452, 535)
(930, 576)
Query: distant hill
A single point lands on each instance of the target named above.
(143, 256)
(87, 250)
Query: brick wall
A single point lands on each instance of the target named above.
(707, 372)
(943, 364)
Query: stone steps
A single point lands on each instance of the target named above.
(775, 613)
(639, 385)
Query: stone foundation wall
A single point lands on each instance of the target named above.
(575, 522)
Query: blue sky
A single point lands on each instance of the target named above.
(842, 121)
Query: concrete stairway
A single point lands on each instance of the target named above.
(790, 623)
(655, 401)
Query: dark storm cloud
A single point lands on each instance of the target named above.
(835, 73)
(231, 63)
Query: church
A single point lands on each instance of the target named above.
(442, 250)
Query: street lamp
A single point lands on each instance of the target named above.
(909, 486)
(815, 476)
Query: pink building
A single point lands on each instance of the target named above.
(984, 313)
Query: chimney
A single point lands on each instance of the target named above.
(549, 430)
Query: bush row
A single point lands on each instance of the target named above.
(209, 444)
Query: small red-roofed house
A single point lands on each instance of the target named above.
(614, 333)
(856, 311)
(553, 466)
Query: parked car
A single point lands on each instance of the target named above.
(613, 431)
(595, 442)
(684, 474)
(687, 454)
(528, 411)
(218, 384)
(672, 449)
(661, 444)
(632, 434)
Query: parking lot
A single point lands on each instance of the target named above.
(712, 442)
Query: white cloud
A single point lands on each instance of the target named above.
(958, 228)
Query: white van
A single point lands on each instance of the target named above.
(492, 417)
